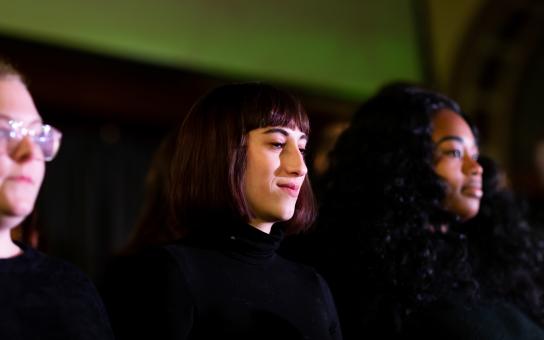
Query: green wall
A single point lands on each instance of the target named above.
(344, 48)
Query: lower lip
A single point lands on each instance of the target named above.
(291, 192)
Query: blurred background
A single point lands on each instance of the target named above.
(117, 76)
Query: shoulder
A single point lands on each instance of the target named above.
(49, 269)
(305, 273)
(57, 291)
(69, 281)
(295, 266)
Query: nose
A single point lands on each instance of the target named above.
(24, 150)
(293, 163)
(472, 167)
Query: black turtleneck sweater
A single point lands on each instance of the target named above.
(221, 286)
(45, 298)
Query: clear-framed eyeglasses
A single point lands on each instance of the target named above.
(44, 136)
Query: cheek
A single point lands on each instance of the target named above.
(450, 174)
(40, 173)
(261, 166)
(4, 171)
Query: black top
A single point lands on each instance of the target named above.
(225, 285)
(374, 314)
(454, 320)
(46, 298)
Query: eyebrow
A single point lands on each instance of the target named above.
(283, 132)
(448, 138)
(5, 116)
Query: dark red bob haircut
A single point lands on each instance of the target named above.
(209, 161)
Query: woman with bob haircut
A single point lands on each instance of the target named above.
(40, 297)
(404, 180)
(238, 185)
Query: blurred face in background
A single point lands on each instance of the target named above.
(21, 160)
(456, 162)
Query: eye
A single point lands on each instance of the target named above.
(476, 156)
(277, 145)
(455, 153)
(302, 151)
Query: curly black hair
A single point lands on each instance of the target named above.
(382, 199)
(507, 254)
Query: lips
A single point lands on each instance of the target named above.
(290, 188)
(21, 179)
(473, 189)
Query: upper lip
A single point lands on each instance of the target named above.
(473, 184)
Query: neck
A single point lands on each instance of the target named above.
(265, 227)
(7, 247)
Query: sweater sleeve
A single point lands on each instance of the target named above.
(147, 298)
(330, 308)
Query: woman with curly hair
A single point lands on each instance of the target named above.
(404, 177)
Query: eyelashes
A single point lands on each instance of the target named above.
(281, 146)
(278, 146)
(456, 153)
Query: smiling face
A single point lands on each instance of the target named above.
(274, 173)
(21, 169)
(456, 163)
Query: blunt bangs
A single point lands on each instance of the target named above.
(269, 106)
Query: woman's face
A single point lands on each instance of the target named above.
(21, 165)
(275, 172)
(456, 162)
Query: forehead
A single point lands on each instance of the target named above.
(449, 123)
(16, 102)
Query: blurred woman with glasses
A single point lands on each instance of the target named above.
(40, 297)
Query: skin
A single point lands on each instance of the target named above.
(274, 174)
(457, 163)
(21, 170)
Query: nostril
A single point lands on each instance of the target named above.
(22, 150)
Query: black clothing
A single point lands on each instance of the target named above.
(225, 285)
(486, 320)
(368, 309)
(46, 298)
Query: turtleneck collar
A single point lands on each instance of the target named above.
(241, 241)
(27, 259)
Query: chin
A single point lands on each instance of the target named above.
(19, 210)
(285, 216)
(469, 213)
